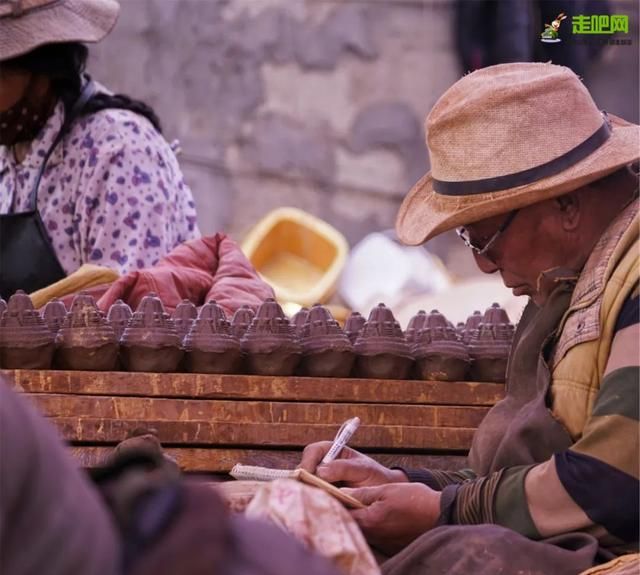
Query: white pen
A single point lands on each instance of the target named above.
(345, 433)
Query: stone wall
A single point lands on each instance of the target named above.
(315, 104)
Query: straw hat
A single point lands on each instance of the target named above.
(506, 137)
(27, 24)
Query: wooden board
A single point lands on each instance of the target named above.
(401, 437)
(217, 411)
(185, 385)
(211, 422)
(221, 460)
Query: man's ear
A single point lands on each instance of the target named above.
(569, 206)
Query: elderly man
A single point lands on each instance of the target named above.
(541, 181)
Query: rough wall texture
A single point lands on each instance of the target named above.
(315, 104)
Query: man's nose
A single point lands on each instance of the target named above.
(485, 264)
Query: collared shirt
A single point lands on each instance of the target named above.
(112, 193)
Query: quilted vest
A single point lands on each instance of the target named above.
(587, 328)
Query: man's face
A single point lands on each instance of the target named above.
(534, 241)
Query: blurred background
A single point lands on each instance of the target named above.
(320, 104)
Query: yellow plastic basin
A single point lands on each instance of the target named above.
(299, 255)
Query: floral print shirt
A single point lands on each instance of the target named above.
(112, 193)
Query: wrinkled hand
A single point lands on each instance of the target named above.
(351, 467)
(396, 513)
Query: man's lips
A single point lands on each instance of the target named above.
(517, 289)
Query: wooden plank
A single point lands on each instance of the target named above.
(185, 385)
(203, 460)
(395, 437)
(142, 408)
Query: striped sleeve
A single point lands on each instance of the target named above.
(437, 479)
(594, 485)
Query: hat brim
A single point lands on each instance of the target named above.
(85, 21)
(425, 213)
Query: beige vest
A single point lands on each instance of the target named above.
(586, 330)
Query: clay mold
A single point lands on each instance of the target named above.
(241, 321)
(298, 321)
(269, 343)
(416, 323)
(119, 315)
(439, 353)
(209, 345)
(86, 340)
(54, 314)
(184, 316)
(25, 340)
(326, 350)
(490, 346)
(381, 349)
(353, 326)
(471, 326)
(150, 341)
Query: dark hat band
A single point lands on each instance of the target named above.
(551, 168)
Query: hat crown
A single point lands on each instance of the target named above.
(506, 119)
(28, 24)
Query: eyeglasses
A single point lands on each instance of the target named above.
(482, 250)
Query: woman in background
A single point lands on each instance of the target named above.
(85, 176)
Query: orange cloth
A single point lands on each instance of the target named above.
(84, 278)
(208, 268)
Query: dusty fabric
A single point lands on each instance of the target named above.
(238, 494)
(112, 193)
(209, 268)
(505, 437)
(52, 520)
(202, 538)
(318, 520)
(492, 550)
(624, 565)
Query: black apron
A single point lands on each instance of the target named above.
(27, 258)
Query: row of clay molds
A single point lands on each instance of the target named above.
(477, 349)
(266, 343)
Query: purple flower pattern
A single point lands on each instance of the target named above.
(113, 193)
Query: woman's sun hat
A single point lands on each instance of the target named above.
(508, 136)
(27, 24)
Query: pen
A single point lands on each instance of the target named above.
(345, 433)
